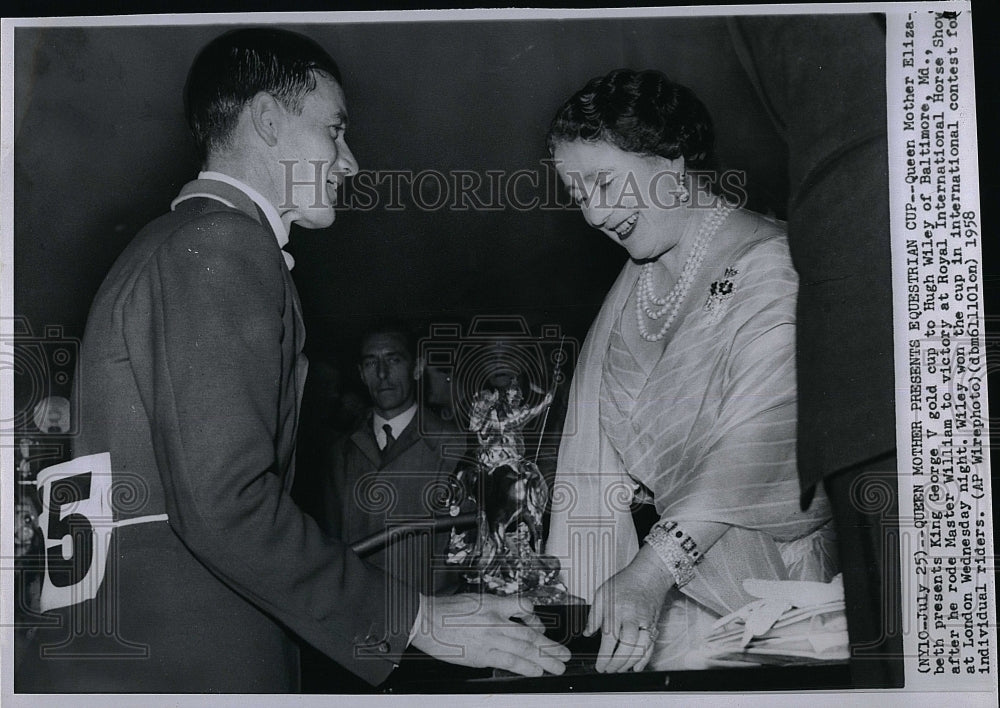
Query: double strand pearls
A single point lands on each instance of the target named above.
(647, 304)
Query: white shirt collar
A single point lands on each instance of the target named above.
(273, 218)
(398, 424)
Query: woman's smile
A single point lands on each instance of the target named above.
(625, 228)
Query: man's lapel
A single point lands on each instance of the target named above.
(364, 438)
(409, 436)
(230, 196)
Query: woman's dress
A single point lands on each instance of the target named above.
(708, 428)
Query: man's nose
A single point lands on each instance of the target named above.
(346, 163)
(382, 369)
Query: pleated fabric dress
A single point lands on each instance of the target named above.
(706, 427)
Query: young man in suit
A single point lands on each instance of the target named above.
(190, 378)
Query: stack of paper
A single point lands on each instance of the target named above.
(792, 622)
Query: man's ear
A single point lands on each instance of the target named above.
(418, 368)
(361, 374)
(265, 115)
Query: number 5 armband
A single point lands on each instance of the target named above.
(78, 522)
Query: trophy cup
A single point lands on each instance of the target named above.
(503, 554)
(496, 499)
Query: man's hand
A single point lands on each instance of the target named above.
(478, 630)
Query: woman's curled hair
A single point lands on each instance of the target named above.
(637, 111)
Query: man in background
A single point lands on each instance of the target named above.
(392, 470)
(388, 476)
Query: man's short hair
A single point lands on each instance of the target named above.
(236, 66)
(397, 327)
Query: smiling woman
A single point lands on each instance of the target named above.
(690, 367)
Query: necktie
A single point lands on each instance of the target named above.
(389, 439)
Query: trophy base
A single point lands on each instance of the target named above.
(564, 623)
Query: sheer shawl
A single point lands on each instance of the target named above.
(714, 436)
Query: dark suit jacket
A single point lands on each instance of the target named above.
(366, 492)
(827, 99)
(191, 373)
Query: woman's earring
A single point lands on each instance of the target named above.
(684, 194)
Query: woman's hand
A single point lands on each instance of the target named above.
(627, 607)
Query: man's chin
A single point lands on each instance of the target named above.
(387, 404)
(317, 219)
(393, 407)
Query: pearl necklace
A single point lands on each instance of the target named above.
(647, 304)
